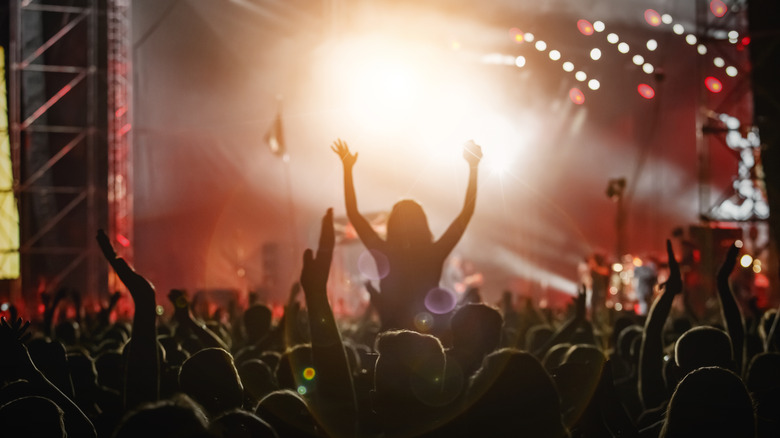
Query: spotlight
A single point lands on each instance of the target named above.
(678, 29)
(623, 47)
(713, 84)
(690, 39)
(599, 26)
(648, 68)
(719, 62)
(638, 60)
(540, 46)
(580, 76)
(731, 71)
(702, 49)
(594, 84)
(576, 96)
(733, 35)
(646, 91)
(613, 38)
(555, 55)
(718, 8)
(652, 17)
(652, 45)
(585, 27)
(520, 61)
(528, 36)
(595, 54)
(568, 66)
(666, 19)
(746, 260)
(516, 34)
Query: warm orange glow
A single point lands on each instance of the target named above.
(646, 91)
(652, 17)
(585, 27)
(713, 84)
(718, 8)
(576, 96)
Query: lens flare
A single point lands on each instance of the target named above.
(652, 17)
(646, 91)
(576, 96)
(440, 301)
(309, 373)
(373, 265)
(585, 27)
(713, 84)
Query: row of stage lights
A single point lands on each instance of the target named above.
(653, 18)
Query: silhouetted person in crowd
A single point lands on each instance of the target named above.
(211, 379)
(414, 258)
(476, 332)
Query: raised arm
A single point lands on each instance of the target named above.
(186, 324)
(472, 153)
(730, 310)
(367, 234)
(142, 379)
(335, 395)
(652, 389)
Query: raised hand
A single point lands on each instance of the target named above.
(314, 275)
(472, 153)
(16, 362)
(580, 304)
(342, 150)
(140, 288)
(728, 265)
(674, 282)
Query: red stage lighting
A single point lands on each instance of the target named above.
(576, 96)
(652, 17)
(713, 84)
(122, 240)
(646, 91)
(718, 8)
(585, 27)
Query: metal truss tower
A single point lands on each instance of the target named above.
(725, 118)
(70, 117)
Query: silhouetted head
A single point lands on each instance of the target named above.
(537, 336)
(407, 225)
(554, 356)
(287, 414)
(512, 395)
(476, 328)
(408, 378)
(258, 381)
(292, 364)
(178, 417)
(710, 401)
(32, 417)
(110, 370)
(625, 340)
(703, 347)
(257, 322)
(211, 379)
(763, 374)
(241, 424)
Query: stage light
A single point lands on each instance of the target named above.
(595, 54)
(738, 243)
(599, 26)
(648, 68)
(580, 76)
(528, 36)
(652, 45)
(585, 27)
(520, 61)
(594, 84)
(713, 84)
(678, 29)
(702, 49)
(733, 35)
(623, 47)
(746, 260)
(652, 17)
(638, 59)
(731, 71)
(555, 55)
(690, 39)
(576, 96)
(646, 91)
(568, 66)
(540, 46)
(516, 34)
(613, 38)
(618, 307)
(718, 8)
(666, 19)
(719, 62)
(757, 268)
(745, 41)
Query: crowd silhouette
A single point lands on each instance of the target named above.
(477, 370)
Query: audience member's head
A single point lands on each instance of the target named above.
(703, 347)
(257, 322)
(476, 332)
(710, 401)
(258, 381)
(32, 417)
(512, 395)
(178, 417)
(407, 225)
(211, 379)
(241, 424)
(286, 412)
